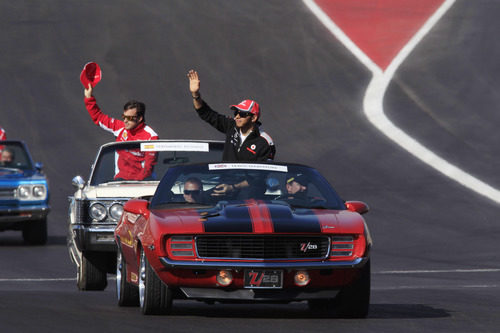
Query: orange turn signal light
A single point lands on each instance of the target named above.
(224, 278)
(302, 278)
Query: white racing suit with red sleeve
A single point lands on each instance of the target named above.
(3, 136)
(129, 164)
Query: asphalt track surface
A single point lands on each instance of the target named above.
(435, 259)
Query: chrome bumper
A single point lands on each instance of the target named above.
(23, 213)
(168, 263)
(94, 238)
(256, 294)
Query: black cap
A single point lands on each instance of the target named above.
(299, 178)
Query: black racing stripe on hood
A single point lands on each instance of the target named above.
(299, 220)
(234, 218)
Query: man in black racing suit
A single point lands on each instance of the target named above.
(244, 139)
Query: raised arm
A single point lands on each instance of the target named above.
(194, 87)
(107, 123)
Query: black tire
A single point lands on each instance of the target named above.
(35, 232)
(155, 297)
(353, 301)
(127, 294)
(89, 276)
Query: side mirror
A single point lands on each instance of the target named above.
(78, 182)
(137, 206)
(39, 166)
(357, 206)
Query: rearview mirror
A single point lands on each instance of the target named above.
(78, 182)
(39, 166)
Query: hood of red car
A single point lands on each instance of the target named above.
(259, 217)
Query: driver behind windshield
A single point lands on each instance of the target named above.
(7, 157)
(192, 190)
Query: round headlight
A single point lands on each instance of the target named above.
(39, 191)
(23, 192)
(116, 211)
(97, 211)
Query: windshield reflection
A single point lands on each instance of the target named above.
(291, 185)
(123, 162)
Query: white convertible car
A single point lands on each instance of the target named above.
(97, 204)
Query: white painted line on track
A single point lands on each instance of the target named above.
(44, 279)
(373, 100)
(395, 272)
(37, 279)
(439, 287)
(340, 35)
(477, 270)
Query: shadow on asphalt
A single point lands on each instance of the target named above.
(300, 310)
(405, 311)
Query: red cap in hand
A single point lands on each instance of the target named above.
(91, 73)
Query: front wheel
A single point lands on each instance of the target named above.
(154, 296)
(353, 301)
(35, 232)
(89, 276)
(127, 294)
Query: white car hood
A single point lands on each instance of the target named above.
(120, 190)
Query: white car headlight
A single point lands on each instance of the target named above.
(39, 191)
(97, 211)
(24, 192)
(116, 210)
(32, 192)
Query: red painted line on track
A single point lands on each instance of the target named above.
(380, 28)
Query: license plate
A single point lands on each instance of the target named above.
(263, 278)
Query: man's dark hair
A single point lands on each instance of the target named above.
(141, 108)
(194, 180)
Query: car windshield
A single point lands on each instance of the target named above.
(163, 154)
(13, 155)
(294, 185)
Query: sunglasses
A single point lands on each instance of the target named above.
(129, 118)
(242, 114)
(191, 192)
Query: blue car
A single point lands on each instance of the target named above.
(24, 193)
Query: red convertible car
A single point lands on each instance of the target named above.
(240, 232)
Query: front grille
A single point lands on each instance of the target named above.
(262, 247)
(8, 193)
(81, 210)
